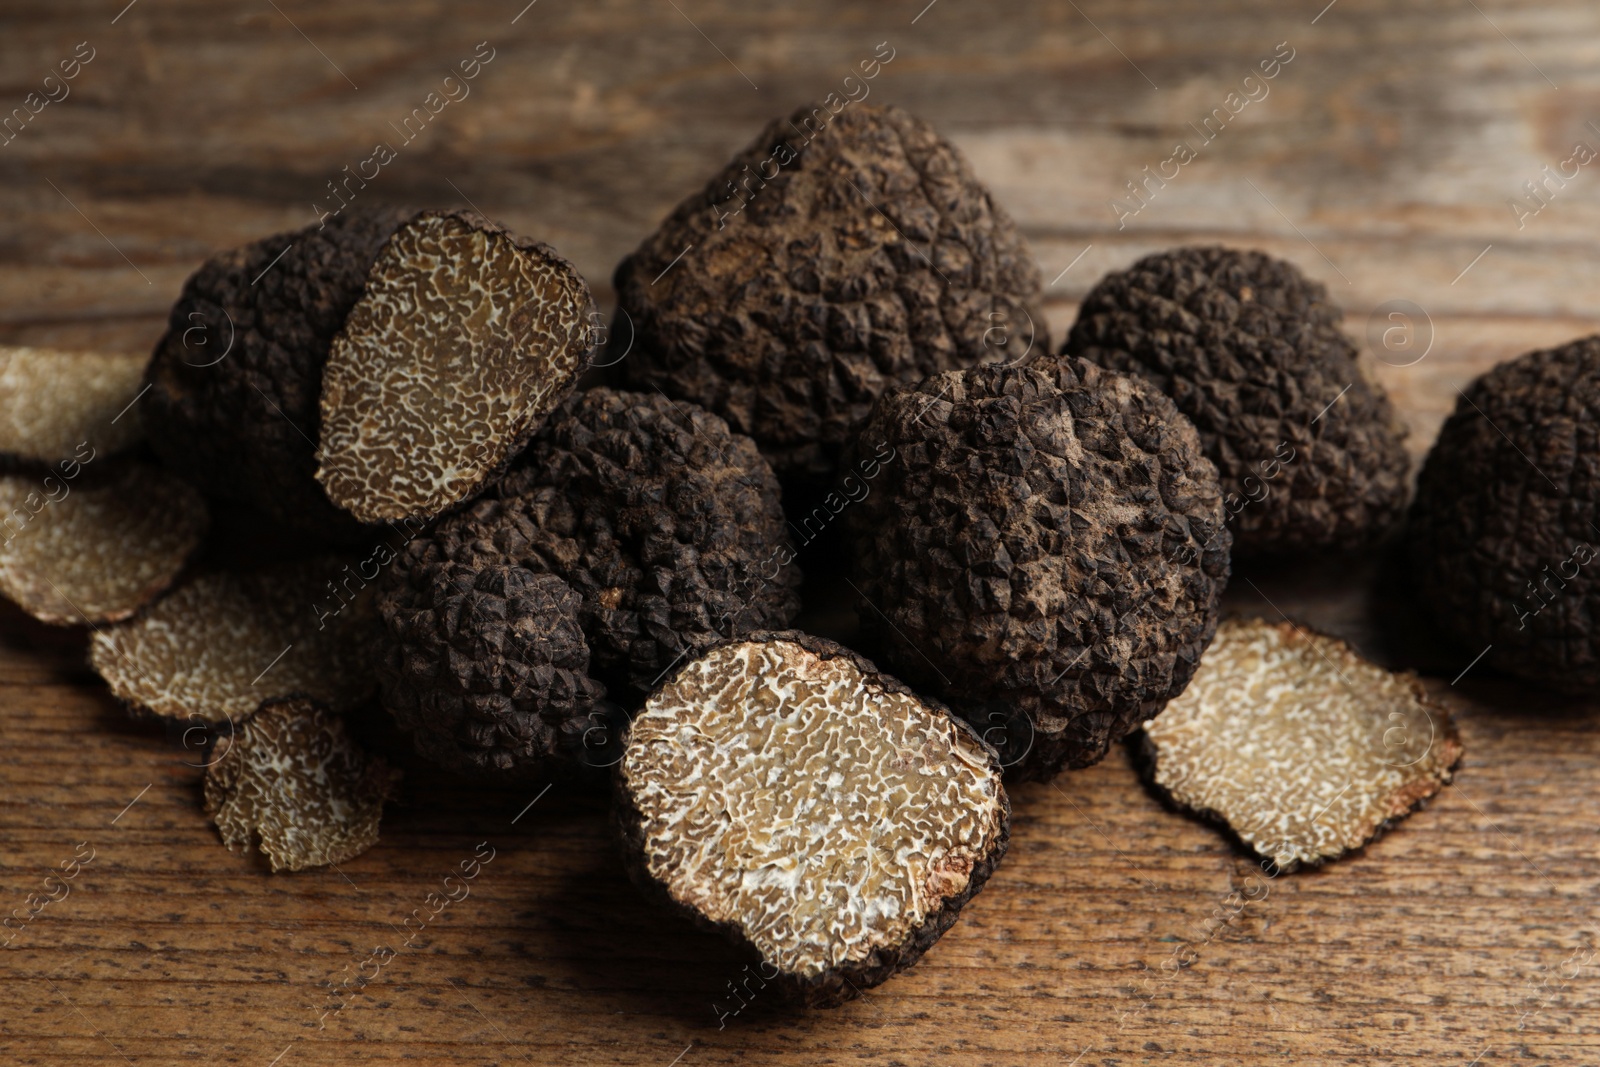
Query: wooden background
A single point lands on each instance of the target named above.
(1382, 162)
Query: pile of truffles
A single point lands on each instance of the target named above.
(544, 573)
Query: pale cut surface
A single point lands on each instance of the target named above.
(459, 348)
(294, 780)
(1303, 748)
(221, 644)
(100, 552)
(786, 795)
(52, 401)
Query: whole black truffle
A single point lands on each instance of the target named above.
(486, 667)
(1503, 531)
(837, 255)
(1309, 450)
(668, 526)
(1044, 546)
(236, 381)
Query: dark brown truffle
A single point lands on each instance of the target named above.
(834, 257)
(236, 380)
(780, 790)
(1309, 450)
(1044, 546)
(1503, 535)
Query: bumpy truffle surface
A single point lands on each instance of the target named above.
(1504, 535)
(834, 257)
(465, 339)
(54, 403)
(1298, 745)
(1043, 540)
(93, 550)
(294, 780)
(781, 790)
(668, 526)
(486, 666)
(1309, 450)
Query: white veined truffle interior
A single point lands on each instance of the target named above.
(825, 817)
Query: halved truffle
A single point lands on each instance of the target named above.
(57, 405)
(464, 340)
(782, 791)
(1505, 532)
(1309, 450)
(1043, 541)
(219, 645)
(79, 549)
(836, 256)
(1298, 745)
(294, 780)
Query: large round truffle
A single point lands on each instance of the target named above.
(1504, 537)
(1044, 546)
(837, 255)
(1309, 450)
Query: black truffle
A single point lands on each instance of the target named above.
(834, 257)
(1045, 547)
(1309, 450)
(1503, 531)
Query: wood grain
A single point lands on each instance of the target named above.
(1382, 161)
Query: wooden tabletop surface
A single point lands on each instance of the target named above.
(1384, 158)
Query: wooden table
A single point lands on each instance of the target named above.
(1383, 160)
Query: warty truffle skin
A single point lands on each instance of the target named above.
(1310, 452)
(1048, 540)
(236, 381)
(1503, 536)
(826, 265)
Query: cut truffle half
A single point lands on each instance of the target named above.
(464, 340)
(293, 780)
(782, 791)
(79, 551)
(56, 405)
(219, 645)
(1298, 745)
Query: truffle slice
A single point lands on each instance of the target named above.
(219, 645)
(1043, 541)
(783, 792)
(465, 339)
(53, 403)
(835, 257)
(487, 668)
(294, 780)
(1298, 745)
(1310, 452)
(102, 551)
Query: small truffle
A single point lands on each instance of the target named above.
(836, 256)
(486, 667)
(1503, 538)
(294, 780)
(236, 380)
(1310, 452)
(1298, 745)
(58, 405)
(219, 645)
(465, 339)
(665, 523)
(1043, 542)
(781, 791)
(92, 549)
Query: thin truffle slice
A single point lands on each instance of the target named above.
(220, 645)
(53, 403)
(1298, 745)
(294, 780)
(465, 339)
(100, 552)
(782, 791)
